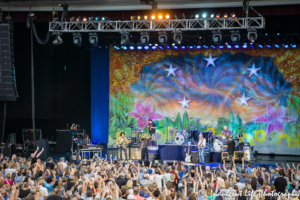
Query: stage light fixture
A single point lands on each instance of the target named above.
(269, 43)
(168, 46)
(153, 17)
(162, 37)
(183, 16)
(117, 47)
(72, 19)
(235, 37)
(139, 46)
(277, 43)
(221, 46)
(261, 44)
(204, 15)
(212, 15)
(175, 47)
(131, 46)
(293, 45)
(213, 46)
(146, 47)
(84, 19)
(65, 9)
(252, 45)
(252, 36)
(182, 46)
(156, 44)
(105, 18)
(192, 16)
(144, 37)
(225, 15)
(57, 40)
(245, 46)
(167, 16)
(218, 15)
(191, 47)
(77, 39)
(175, 16)
(78, 19)
(161, 47)
(131, 17)
(198, 46)
(160, 16)
(93, 39)
(125, 38)
(237, 46)
(197, 16)
(232, 15)
(285, 45)
(97, 18)
(153, 47)
(125, 47)
(177, 37)
(139, 17)
(91, 18)
(146, 17)
(217, 37)
(229, 46)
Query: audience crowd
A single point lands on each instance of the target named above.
(112, 179)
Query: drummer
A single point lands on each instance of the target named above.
(225, 134)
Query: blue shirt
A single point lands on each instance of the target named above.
(242, 180)
(248, 170)
(48, 186)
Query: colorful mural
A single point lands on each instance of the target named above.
(255, 92)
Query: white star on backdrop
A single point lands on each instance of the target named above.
(171, 71)
(210, 60)
(253, 70)
(184, 103)
(244, 100)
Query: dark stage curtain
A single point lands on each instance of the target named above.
(125, 15)
(99, 94)
(62, 84)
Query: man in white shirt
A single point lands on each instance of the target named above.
(62, 162)
(201, 147)
(44, 190)
(158, 178)
(239, 184)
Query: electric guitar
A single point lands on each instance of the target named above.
(188, 156)
(122, 145)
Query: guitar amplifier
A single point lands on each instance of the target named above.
(134, 153)
(194, 156)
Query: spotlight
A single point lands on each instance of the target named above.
(162, 38)
(232, 15)
(191, 47)
(167, 16)
(229, 46)
(221, 46)
(97, 18)
(65, 9)
(182, 46)
(93, 39)
(177, 37)
(139, 47)
(198, 46)
(117, 47)
(125, 38)
(144, 37)
(245, 46)
(125, 47)
(105, 18)
(153, 47)
(213, 46)
(285, 45)
(217, 37)
(161, 47)
(218, 15)
(78, 19)
(261, 44)
(204, 15)
(225, 15)
(153, 17)
(212, 15)
(168, 46)
(160, 16)
(175, 47)
(72, 19)
(132, 18)
(77, 40)
(131, 46)
(139, 17)
(293, 45)
(269, 44)
(146, 47)
(146, 17)
(175, 16)
(235, 37)
(197, 16)
(84, 19)
(183, 16)
(252, 36)
(252, 45)
(277, 43)
(237, 46)
(91, 18)
(58, 40)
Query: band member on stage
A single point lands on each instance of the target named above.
(225, 133)
(85, 141)
(201, 147)
(152, 127)
(122, 143)
(144, 147)
(230, 146)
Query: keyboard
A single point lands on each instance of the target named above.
(92, 148)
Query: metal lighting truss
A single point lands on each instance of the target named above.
(159, 25)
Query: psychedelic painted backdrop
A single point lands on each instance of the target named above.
(255, 92)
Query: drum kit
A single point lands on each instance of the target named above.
(184, 136)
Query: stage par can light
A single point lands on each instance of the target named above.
(72, 19)
(97, 18)
(167, 16)
(153, 17)
(146, 47)
(146, 17)
(139, 17)
(225, 15)
(233, 15)
(204, 15)
(84, 19)
(218, 15)
(212, 15)
(160, 17)
(91, 18)
(78, 19)
(197, 16)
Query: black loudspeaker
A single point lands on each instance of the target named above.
(207, 157)
(43, 144)
(12, 138)
(195, 156)
(8, 150)
(8, 86)
(63, 141)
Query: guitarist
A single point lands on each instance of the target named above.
(152, 127)
(122, 143)
(201, 147)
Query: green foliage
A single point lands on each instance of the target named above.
(186, 122)
(178, 122)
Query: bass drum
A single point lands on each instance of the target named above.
(217, 145)
(179, 139)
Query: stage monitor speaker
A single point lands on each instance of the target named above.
(195, 156)
(43, 144)
(12, 138)
(8, 150)
(28, 134)
(207, 157)
(238, 155)
(135, 153)
(225, 156)
(63, 141)
(8, 86)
